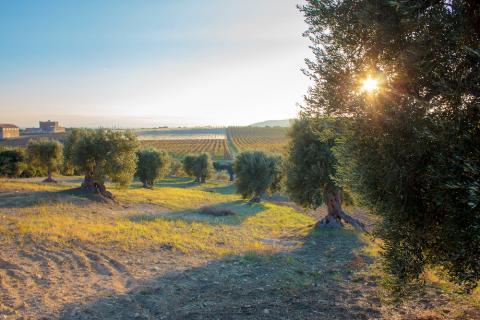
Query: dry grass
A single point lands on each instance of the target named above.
(275, 240)
(64, 222)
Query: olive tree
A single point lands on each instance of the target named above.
(225, 166)
(152, 165)
(46, 155)
(311, 167)
(12, 163)
(100, 154)
(200, 167)
(257, 172)
(176, 168)
(411, 149)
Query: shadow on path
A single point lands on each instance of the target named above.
(311, 282)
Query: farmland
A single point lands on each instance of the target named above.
(261, 139)
(217, 148)
(22, 141)
(206, 133)
(221, 143)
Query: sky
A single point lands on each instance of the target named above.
(147, 63)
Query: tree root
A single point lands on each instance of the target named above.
(49, 180)
(331, 221)
(355, 223)
(98, 189)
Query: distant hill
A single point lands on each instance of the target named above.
(273, 123)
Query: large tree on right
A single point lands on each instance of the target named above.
(406, 75)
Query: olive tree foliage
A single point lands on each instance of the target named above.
(176, 168)
(411, 148)
(311, 167)
(256, 173)
(45, 154)
(152, 165)
(225, 166)
(198, 166)
(100, 154)
(12, 163)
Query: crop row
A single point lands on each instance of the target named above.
(217, 148)
(273, 145)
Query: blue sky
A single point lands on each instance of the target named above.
(148, 63)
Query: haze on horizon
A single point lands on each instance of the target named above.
(151, 63)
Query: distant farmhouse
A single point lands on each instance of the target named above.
(9, 131)
(46, 127)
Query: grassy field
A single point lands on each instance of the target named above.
(158, 254)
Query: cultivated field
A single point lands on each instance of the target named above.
(155, 254)
(22, 141)
(217, 148)
(262, 139)
(181, 133)
(220, 143)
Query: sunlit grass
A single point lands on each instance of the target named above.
(20, 185)
(65, 222)
(172, 198)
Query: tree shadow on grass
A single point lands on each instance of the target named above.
(28, 199)
(240, 211)
(310, 282)
(228, 189)
(179, 182)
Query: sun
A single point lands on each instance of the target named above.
(369, 84)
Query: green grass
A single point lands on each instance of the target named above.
(182, 227)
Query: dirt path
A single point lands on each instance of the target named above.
(37, 279)
(313, 282)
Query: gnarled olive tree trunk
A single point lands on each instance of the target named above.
(89, 185)
(335, 215)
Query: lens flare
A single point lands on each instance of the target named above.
(369, 85)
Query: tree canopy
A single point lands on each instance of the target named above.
(198, 166)
(311, 169)
(45, 154)
(257, 172)
(12, 163)
(152, 165)
(411, 149)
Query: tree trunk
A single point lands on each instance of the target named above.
(89, 185)
(49, 176)
(335, 214)
(333, 201)
(256, 198)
